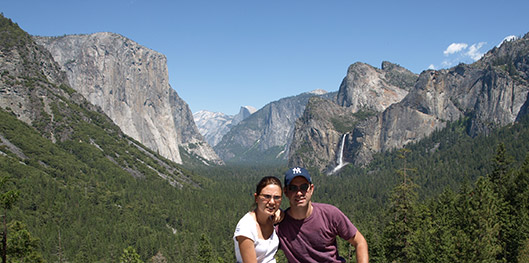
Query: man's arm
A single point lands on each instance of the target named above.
(360, 244)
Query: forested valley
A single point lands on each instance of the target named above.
(448, 198)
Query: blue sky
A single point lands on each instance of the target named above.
(226, 54)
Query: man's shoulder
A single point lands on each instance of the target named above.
(324, 206)
(326, 209)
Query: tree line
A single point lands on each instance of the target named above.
(452, 198)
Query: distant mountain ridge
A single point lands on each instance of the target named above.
(131, 85)
(214, 125)
(492, 92)
(378, 109)
(265, 136)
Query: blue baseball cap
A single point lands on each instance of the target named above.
(295, 172)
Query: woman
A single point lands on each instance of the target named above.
(255, 237)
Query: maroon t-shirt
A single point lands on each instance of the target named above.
(313, 239)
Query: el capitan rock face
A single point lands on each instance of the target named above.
(131, 85)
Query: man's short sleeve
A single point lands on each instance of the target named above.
(343, 226)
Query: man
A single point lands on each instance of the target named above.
(308, 231)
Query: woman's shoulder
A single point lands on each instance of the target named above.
(248, 217)
(246, 227)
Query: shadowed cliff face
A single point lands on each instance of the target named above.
(265, 136)
(130, 83)
(493, 92)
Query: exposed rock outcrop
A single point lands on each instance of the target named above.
(492, 92)
(85, 143)
(318, 133)
(368, 88)
(266, 135)
(131, 85)
(214, 125)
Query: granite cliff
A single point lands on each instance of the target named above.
(265, 136)
(492, 92)
(364, 92)
(131, 85)
(368, 88)
(64, 137)
(214, 125)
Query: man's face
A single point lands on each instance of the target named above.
(299, 192)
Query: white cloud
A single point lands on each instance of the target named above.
(431, 66)
(446, 64)
(473, 51)
(454, 48)
(457, 53)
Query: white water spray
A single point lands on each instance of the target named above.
(339, 159)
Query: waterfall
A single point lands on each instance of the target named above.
(339, 159)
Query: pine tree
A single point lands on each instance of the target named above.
(484, 223)
(21, 245)
(523, 254)
(500, 174)
(398, 232)
(518, 232)
(7, 199)
(205, 250)
(130, 256)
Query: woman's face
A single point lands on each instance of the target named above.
(269, 200)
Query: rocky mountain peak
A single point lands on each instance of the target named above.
(214, 125)
(393, 107)
(244, 113)
(368, 88)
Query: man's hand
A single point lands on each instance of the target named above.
(278, 216)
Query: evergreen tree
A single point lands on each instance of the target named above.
(401, 215)
(7, 199)
(130, 256)
(523, 255)
(21, 246)
(205, 250)
(499, 175)
(483, 224)
(517, 237)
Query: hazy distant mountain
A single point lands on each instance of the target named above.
(265, 136)
(214, 125)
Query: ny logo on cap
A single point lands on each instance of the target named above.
(296, 170)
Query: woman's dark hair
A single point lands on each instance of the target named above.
(266, 181)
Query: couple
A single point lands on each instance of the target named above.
(307, 232)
